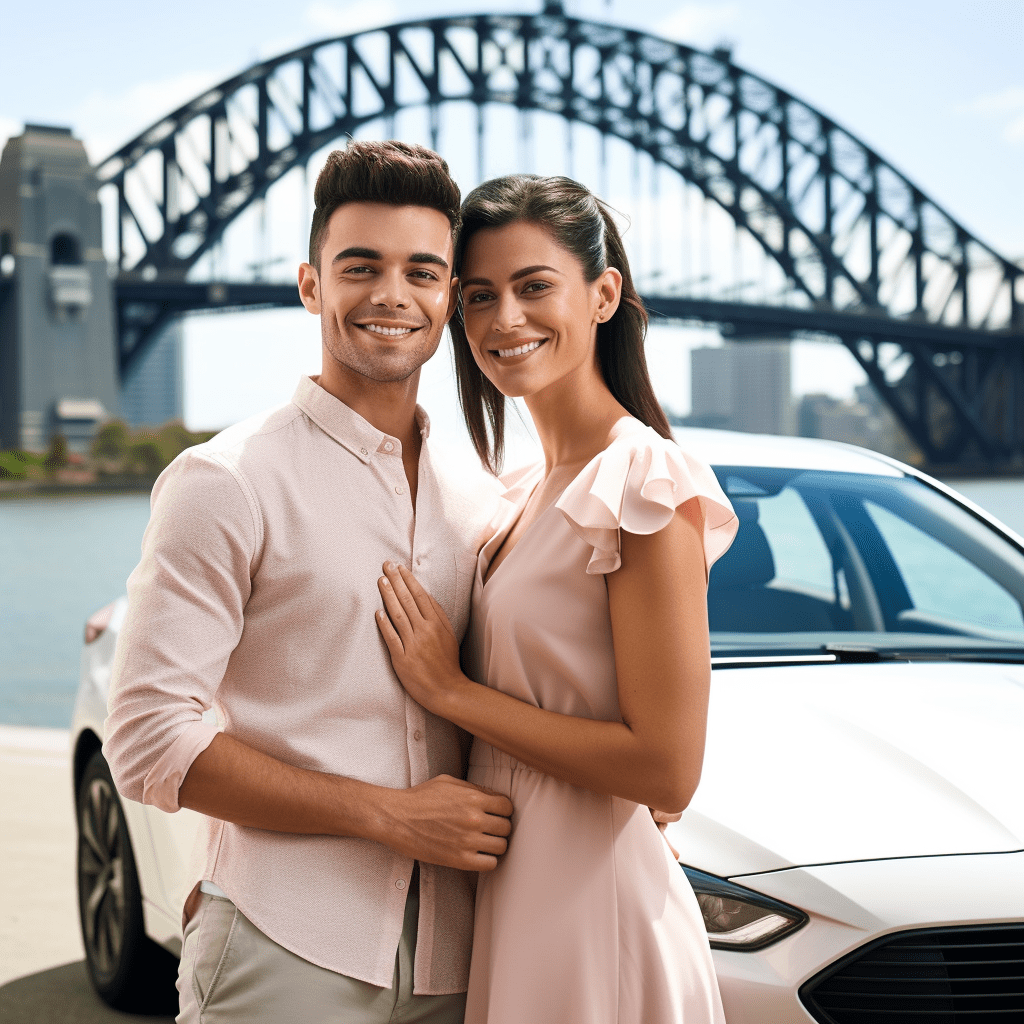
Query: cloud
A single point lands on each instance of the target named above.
(699, 23)
(340, 19)
(1007, 106)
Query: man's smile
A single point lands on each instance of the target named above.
(393, 331)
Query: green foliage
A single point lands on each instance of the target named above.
(57, 455)
(116, 451)
(15, 465)
(111, 441)
(145, 459)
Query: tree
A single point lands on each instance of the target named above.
(57, 454)
(145, 459)
(111, 441)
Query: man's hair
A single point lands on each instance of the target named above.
(396, 173)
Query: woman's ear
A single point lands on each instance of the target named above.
(609, 291)
(309, 288)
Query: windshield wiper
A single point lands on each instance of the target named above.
(866, 653)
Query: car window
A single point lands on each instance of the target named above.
(821, 555)
(941, 582)
(802, 561)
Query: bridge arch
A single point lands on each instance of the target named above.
(852, 235)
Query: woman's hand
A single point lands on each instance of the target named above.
(421, 641)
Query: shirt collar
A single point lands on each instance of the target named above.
(345, 425)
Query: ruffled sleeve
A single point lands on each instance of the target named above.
(636, 484)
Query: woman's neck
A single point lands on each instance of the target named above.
(574, 418)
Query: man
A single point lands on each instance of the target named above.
(340, 841)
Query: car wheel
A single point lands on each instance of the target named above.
(128, 970)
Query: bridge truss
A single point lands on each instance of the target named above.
(933, 315)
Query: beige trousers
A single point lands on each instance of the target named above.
(231, 971)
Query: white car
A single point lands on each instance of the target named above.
(857, 840)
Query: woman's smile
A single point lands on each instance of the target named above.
(520, 350)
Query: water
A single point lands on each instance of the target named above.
(63, 558)
(60, 560)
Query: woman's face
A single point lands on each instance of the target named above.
(531, 317)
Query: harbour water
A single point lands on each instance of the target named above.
(63, 558)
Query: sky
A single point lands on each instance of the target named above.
(936, 87)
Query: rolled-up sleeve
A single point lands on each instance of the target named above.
(185, 604)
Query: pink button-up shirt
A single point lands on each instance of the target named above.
(255, 596)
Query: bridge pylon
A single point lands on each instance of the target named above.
(58, 363)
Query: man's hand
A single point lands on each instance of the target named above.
(450, 822)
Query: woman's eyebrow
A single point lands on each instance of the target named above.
(525, 272)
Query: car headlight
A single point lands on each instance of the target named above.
(739, 918)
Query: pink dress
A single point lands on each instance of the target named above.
(588, 919)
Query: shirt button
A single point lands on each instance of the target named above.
(399, 489)
(363, 450)
(389, 446)
(400, 884)
(417, 735)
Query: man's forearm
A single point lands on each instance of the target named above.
(234, 782)
(441, 821)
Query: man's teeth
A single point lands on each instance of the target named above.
(391, 332)
(529, 347)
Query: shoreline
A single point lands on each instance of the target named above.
(14, 489)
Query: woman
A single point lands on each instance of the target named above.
(589, 629)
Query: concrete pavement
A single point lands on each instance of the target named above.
(42, 971)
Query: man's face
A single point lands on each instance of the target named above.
(384, 291)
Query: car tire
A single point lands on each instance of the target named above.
(128, 970)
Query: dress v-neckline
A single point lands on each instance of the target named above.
(486, 575)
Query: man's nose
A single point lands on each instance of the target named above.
(390, 289)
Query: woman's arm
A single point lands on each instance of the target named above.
(657, 600)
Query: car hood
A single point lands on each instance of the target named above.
(820, 764)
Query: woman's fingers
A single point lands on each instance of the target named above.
(393, 606)
(393, 573)
(394, 642)
(424, 602)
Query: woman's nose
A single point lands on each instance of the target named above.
(509, 314)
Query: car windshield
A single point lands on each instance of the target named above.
(849, 566)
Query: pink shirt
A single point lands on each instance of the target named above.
(255, 596)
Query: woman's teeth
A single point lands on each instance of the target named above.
(390, 332)
(506, 353)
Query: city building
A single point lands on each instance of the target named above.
(742, 386)
(152, 392)
(58, 372)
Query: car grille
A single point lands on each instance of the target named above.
(930, 976)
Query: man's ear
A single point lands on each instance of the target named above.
(453, 300)
(309, 288)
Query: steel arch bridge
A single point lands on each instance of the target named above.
(933, 315)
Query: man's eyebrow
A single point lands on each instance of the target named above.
(358, 252)
(428, 257)
(525, 272)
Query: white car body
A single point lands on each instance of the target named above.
(874, 798)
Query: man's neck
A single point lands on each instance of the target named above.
(389, 406)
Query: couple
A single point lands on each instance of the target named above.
(343, 840)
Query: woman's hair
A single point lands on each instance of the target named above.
(395, 173)
(582, 225)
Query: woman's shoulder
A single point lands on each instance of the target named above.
(636, 484)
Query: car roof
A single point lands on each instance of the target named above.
(732, 448)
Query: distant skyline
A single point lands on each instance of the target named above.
(936, 87)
